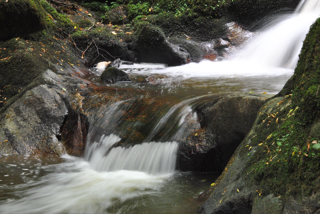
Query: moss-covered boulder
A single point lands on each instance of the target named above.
(112, 75)
(152, 46)
(20, 17)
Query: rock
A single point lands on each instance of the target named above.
(108, 45)
(112, 75)
(117, 15)
(32, 125)
(21, 17)
(153, 47)
(249, 13)
(226, 120)
(116, 63)
(74, 133)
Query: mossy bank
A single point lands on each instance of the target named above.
(278, 162)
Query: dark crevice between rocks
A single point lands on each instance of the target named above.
(74, 132)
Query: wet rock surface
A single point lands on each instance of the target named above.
(31, 125)
(225, 121)
(112, 75)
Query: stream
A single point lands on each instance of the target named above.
(143, 178)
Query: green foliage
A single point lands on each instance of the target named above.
(138, 9)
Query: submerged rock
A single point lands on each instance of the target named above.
(112, 75)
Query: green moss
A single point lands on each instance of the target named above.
(56, 20)
(285, 162)
(85, 23)
(18, 18)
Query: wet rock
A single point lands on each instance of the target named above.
(112, 75)
(225, 121)
(116, 63)
(32, 125)
(74, 132)
(153, 47)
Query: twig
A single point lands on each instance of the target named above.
(84, 52)
(75, 44)
(97, 51)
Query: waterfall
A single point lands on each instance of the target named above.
(274, 51)
(153, 158)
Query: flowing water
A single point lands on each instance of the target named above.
(143, 178)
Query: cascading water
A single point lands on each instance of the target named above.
(115, 179)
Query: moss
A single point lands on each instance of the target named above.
(149, 35)
(85, 23)
(18, 18)
(285, 163)
(56, 20)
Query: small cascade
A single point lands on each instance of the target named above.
(153, 158)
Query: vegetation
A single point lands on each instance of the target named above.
(287, 156)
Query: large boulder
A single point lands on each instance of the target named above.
(41, 120)
(225, 121)
(152, 46)
(20, 17)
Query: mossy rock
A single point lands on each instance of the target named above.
(110, 47)
(249, 13)
(56, 20)
(112, 75)
(20, 67)
(153, 46)
(20, 17)
(200, 28)
(118, 15)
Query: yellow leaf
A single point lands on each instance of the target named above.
(196, 134)
(264, 93)
(75, 27)
(238, 190)
(260, 144)
(293, 153)
(213, 184)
